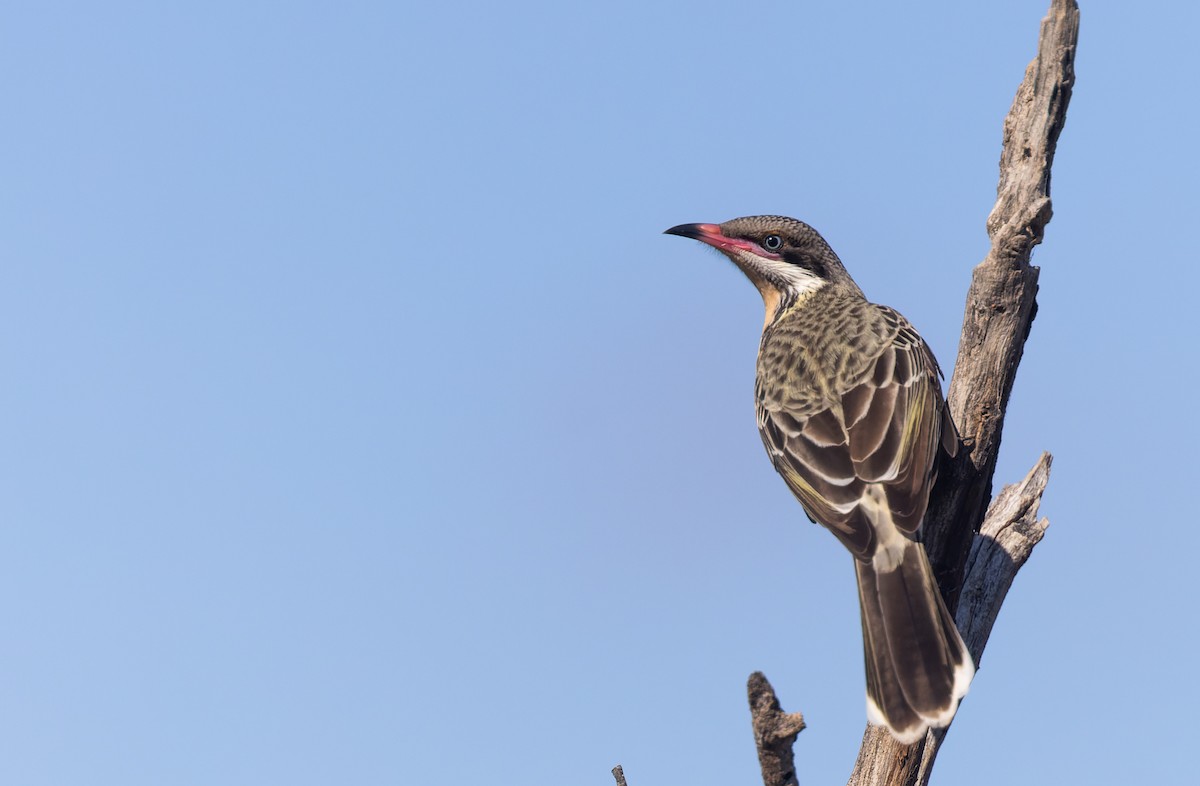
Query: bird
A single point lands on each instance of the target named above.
(849, 406)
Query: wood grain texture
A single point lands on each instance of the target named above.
(1001, 303)
(774, 732)
(976, 556)
(1010, 530)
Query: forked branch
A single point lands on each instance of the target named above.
(976, 556)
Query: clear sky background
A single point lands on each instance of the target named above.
(361, 427)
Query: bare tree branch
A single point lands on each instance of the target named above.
(774, 732)
(1010, 530)
(619, 773)
(1001, 305)
(977, 557)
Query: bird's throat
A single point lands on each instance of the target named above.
(771, 299)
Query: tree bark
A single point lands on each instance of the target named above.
(976, 549)
(774, 732)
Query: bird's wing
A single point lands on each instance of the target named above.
(881, 430)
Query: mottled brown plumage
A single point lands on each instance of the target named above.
(851, 412)
(847, 394)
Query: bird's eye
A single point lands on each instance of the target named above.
(772, 242)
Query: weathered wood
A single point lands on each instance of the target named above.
(1001, 305)
(1010, 530)
(774, 732)
(975, 556)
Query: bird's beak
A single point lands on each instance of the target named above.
(743, 253)
(712, 235)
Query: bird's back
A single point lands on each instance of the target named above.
(818, 348)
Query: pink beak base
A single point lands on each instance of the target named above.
(712, 235)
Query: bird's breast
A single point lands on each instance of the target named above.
(809, 355)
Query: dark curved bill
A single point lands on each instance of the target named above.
(696, 231)
(710, 234)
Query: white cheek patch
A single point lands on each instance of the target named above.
(799, 280)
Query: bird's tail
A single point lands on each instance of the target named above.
(917, 664)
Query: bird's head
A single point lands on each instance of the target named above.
(785, 258)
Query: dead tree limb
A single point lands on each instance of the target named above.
(1010, 530)
(774, 732)
(975, 556)
(1001, 302)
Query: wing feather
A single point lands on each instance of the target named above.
(868, 434)
(884, 427)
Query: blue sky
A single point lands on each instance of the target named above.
(362, 427)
